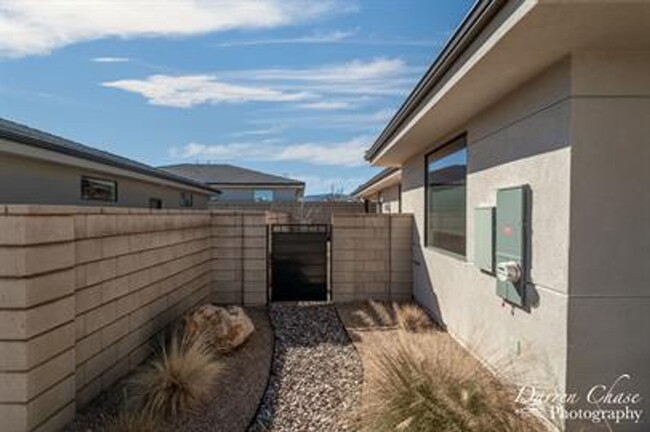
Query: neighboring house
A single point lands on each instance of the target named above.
(524, 154)
(384, 190)
(239, 185)
(39, 168)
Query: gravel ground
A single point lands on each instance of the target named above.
(233, 402)
(316, 375)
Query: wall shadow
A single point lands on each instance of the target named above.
(423, 289)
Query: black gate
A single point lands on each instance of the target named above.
(299, 267)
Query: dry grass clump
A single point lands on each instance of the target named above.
(406, 316)
(426, 382)
(178, 378)
(413, 318)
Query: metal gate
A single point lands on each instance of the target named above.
(299, 262)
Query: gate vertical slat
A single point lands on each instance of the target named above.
(299, 262)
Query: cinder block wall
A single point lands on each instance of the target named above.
(82, 293)
(371, 257)
(316, 212)
(239, 268)
(136, 272)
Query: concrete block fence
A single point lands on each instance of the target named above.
(240, 257)
(83, 291)
(372, 257)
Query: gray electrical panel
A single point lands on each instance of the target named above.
(511, 244)
(484, 238)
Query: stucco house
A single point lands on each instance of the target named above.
(40, 168)
(384, 190)
(524, 154)
(241, 185)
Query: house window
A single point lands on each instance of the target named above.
(95, 189)
(155, 203)
(187, 199)
(262, 195)
(446, 191)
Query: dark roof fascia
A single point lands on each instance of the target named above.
(152, 172)
(375, 179)
(297, 184)
(267, 179)
(474, 22)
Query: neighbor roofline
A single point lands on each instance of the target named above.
(152, 172)
(474, 22)
(248, 184)
(273, 180)
(382, 175)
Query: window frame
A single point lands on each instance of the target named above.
(158, 200)
(183, 203)
(462, 136)
(264, 190)
(98, 179)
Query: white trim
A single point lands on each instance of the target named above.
(390, 180)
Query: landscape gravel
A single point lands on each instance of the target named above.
(316, 374)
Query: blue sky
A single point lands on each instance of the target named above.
(291, 87)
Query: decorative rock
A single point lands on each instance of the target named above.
(225, 328)
(240, 329)
(316, 375)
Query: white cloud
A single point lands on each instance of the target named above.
(30, 27)
(110, 60)
(189, 90)
(345, 153)
(354, 119)
(350, 37)
(353, 71)
(258, 132)
(312, 38)
(376, 77)
(320, 84)
(326, 105)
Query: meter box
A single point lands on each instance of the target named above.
(484, 238)
(511, 244)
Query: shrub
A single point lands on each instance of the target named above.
(413, 318)
(407, 316)
(177, 379)
(428, 383)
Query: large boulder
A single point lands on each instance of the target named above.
(225, 328)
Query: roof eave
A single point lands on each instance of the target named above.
(34, 142)
(474, 22)
(379, 180)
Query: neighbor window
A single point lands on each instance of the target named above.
(262, 195)
(95, 189)
(155, 203)
(187, 199)
(446, 190)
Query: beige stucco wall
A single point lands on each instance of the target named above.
(387, 199)
(609, 306)
(577, 134)
(32, 181)
(523, 139)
